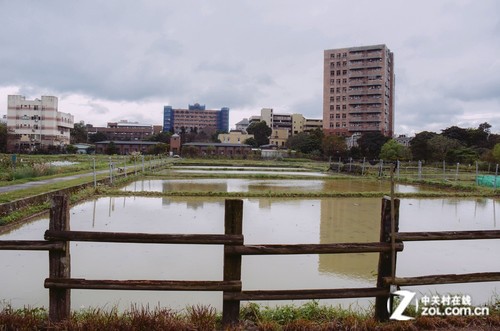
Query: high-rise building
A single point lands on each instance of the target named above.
(195, 119)
(35, 125)
(358, 90)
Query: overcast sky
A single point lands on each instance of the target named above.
(117, 59)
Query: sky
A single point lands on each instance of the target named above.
(116, 60)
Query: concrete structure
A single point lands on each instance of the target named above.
(404, 140)
(124, 147)
(83, 148)
(279, 137)
(291, 123)
(243, 125)
(124, 130)
(234, 137)
(204, 149)
(358, 90)
(195, 119)
(175, 144)
(35, 125)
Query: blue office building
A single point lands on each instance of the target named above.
(194, 119)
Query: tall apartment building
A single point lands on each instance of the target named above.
(36, 124)
(195, 118)
(358, 90)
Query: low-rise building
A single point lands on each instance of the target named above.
(204, 149)
(37, 125)
(234, 137)
(124, 147)
(124, 130)
(279, 137)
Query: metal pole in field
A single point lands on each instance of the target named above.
(142, 163)
(135, 165)
(338, 170)
(444, 170)
(456, 173)
(477, 173)
(496, 175)
(110, 171)
(419, 170)
(95, 175)
(125, 165)
(350, 164)
(398, 164)
(363, 168)
(381, 171)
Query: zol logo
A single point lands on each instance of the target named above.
(406, 297)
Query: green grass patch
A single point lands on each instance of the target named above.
(310, 316)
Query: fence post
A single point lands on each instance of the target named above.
(59, 261)
(233, 224)
(387, 261)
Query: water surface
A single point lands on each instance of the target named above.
(277, 221)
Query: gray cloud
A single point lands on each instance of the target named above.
(250, 54)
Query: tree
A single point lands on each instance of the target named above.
(334, 146)
(441, 146)
(78, 134)
(305, 142)
(157, 149)
(3, 138)
(71, 149)
(98, 136)
(260, 131)
(162, 137)
(457, 133)
(252, 142)
(496, 153)
(111, 148)
(371, 143)
(419, 145)
(393, 151)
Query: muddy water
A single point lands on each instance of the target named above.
(265, 221)
(266, 185)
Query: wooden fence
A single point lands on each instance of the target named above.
(60, 283)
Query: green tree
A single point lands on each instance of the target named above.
(98, 136)
(78, 134)
(496, 153)
(3, 138)
(252, 142)
(260, 131)
(71, 149)
(393, 151)
(306, 142)
(441, 146)
(419, 145)
(111, 148)
(162, 137)
(371, 143)
(158, 149)
(334, 146)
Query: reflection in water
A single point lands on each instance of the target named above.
(266, 185)
(265, 221)
(350, 221)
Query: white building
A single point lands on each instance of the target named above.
(36, 124)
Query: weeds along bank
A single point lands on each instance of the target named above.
(310, 316)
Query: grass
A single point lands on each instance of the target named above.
(310, 316)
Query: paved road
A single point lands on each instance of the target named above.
(15, 187)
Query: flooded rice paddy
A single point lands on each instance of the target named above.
(265, 221)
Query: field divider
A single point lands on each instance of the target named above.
(340, 248)
(142, 285)
(145, 238)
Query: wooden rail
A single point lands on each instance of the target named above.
(60, 283)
